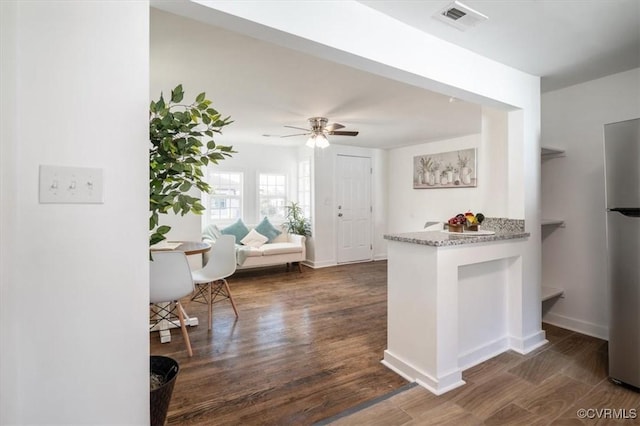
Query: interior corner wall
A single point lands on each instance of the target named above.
(573, 189)
(410, 208)
(74, 280)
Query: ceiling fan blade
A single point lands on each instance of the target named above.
(334, 126)
(286, 136)
(297, 134)
(343, 133)
(299, 128)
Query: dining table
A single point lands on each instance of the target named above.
(189, 248)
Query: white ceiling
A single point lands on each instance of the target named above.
(264, 86)
(563, 41)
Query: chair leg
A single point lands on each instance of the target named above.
(300, 267)
(183, 326)
(226, 285)
(210, 305)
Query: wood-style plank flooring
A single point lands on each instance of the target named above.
(547, 387)
(308, 346)
(305, 347)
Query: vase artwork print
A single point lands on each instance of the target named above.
(453, 169)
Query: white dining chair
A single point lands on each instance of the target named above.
(169, 281)
(210, 281)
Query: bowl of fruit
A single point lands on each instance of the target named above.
(467, 221)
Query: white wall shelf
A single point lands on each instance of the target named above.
(550, 292)
(552, 222)
(547, 292)
(552, 151)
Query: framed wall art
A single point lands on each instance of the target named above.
(453, 169)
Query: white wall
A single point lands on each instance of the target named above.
(325, 225)
(74, 278)
(410, 208)
(574, 257)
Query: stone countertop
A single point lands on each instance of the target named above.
(442, 239)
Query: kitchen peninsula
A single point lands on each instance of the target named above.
(454, 301)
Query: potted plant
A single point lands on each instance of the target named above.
(296, 222)
(182, 145)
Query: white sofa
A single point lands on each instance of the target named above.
(285, 249)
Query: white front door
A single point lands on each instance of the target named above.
(353, 208)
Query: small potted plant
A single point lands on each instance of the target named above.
(296, 222)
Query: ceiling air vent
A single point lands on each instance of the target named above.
(460, 16)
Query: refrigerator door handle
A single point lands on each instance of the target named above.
(631, 212)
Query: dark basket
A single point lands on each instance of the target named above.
(160, 397)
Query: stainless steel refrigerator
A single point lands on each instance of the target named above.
(622, 182)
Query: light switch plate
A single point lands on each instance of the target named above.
(70, 185)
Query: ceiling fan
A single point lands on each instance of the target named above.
(319, 131)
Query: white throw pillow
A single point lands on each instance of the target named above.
(254, 239)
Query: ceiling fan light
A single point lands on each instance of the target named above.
(311, 142)
(322, 141)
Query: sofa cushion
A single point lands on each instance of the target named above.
(282, 238)
(237, 229)
(280, 248)
(267, 229)
(254, 239)
(211, 233)
(249, 251)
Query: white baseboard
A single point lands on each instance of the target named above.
(437, 386)
(329, 263)
(579, 326)
(380, 257)
(528, 343)
(483, 353)
(318, 265)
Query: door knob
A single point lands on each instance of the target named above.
(339, 214)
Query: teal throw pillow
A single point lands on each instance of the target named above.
(267, 229)
(238, 229)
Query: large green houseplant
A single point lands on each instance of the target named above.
(182, 146)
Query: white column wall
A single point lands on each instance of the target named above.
(74, 289)
(574, 257)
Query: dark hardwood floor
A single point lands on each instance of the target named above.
(305, 347)
(308, 346)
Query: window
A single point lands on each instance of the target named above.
(225, 201)
(272, 195)
(304, 187)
